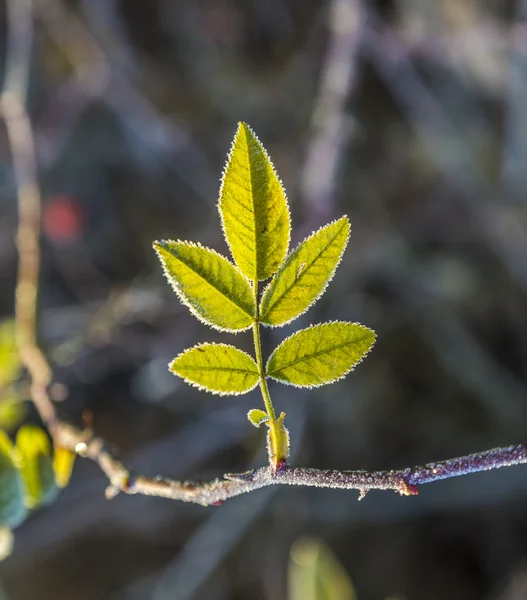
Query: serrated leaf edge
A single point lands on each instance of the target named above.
(204, 388)
(290, 255)
(222, 184)
(317, 385)
(173, 284)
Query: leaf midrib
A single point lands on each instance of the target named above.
(250, 168)
(231, 300)
(315, 354)
(303, 274)
(227, 369)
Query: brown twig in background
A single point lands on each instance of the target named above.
(20, 136)
(83, 442)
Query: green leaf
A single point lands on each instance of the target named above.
(36, 466)
(12, 508)
(315, 573)
(305, 274)
(217, 368)
(213, 288)
(320, 354)
(257, 416)
(63, 461)
(253, 208)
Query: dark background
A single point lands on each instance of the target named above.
(410, 116)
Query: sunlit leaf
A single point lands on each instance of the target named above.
(36, 466)
(320, 354)
(63, 461)
(213, 288)
(304, 275)
(253, 208)
(257, 416)
(12, 507)
(217, 368)
(315, 573)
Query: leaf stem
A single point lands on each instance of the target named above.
(267, 398)
(259, 359)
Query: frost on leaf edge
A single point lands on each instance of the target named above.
(181, 296)
(204, 388)
(222, 184)
(288, 257)
(343, 376)
(263, 419)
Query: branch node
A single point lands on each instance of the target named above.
(281, 465)
(128, 485)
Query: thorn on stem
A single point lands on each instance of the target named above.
(408, 489)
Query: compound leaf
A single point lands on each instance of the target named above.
(217, 368)
(213, 288)
(320, 354)
(253, 208)
(305, 274)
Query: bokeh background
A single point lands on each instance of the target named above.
(408, 115)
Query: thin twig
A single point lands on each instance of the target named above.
(20, 136)
(404, 481)
(83, 442)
